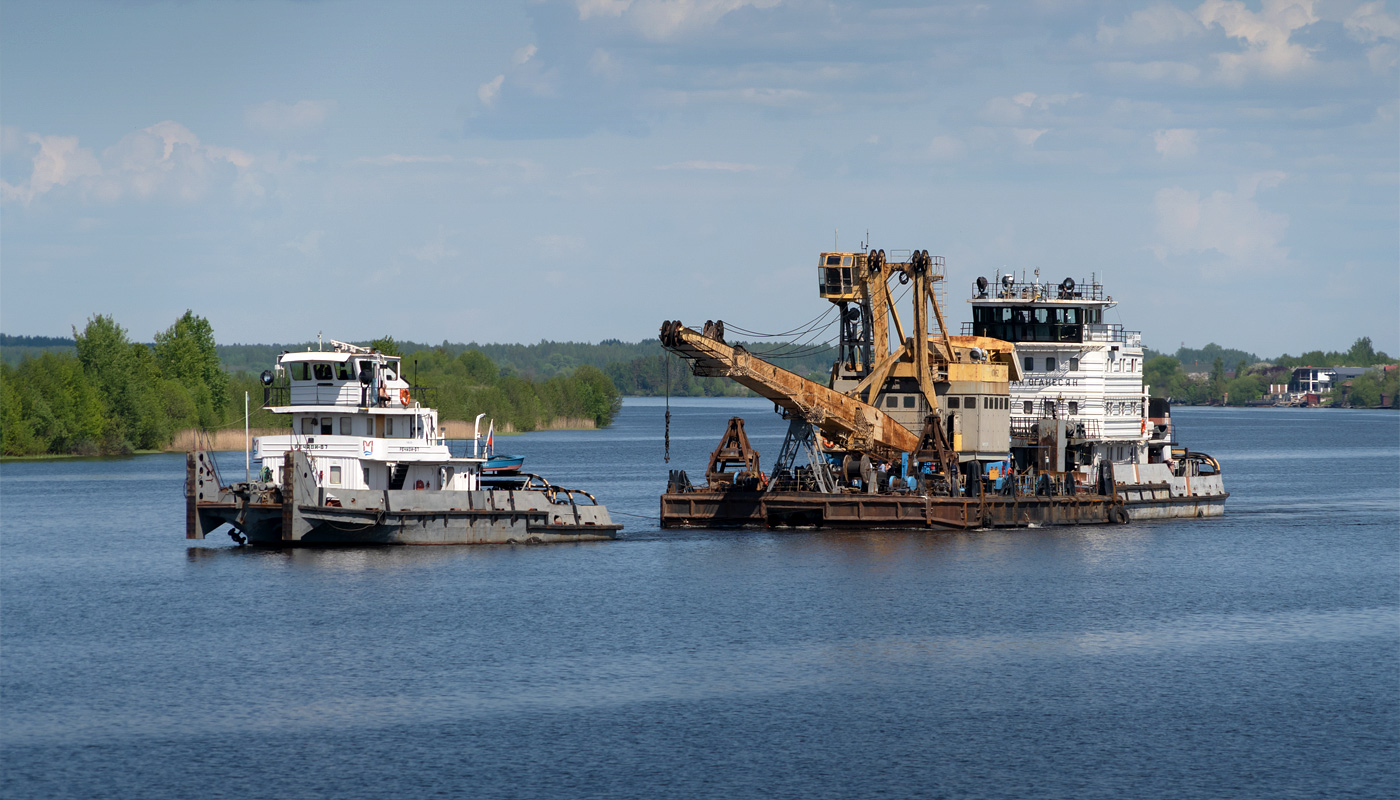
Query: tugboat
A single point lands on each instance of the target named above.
(366, 462)
(1081, 402)
(917, 428)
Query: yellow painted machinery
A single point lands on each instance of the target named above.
(938, 399)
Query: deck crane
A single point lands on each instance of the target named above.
(941, 399)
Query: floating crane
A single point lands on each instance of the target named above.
(940, 399)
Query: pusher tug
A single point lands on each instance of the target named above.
(366, 463)
(1038, 417)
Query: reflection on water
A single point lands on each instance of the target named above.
(1248, 655)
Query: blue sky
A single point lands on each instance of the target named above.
(583, 170)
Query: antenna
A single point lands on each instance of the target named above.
(835, 238)
(318, 341)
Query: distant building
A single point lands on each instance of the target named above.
(1319, 380)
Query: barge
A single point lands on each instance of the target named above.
(365, 462)
(1036, 415)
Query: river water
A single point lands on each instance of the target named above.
(1254, 655)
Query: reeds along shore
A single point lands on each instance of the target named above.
(232, 439)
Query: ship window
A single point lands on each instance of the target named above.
(1041, 315)
(845, 261)
(1049, 365)
(366, 469)
(833, 261)
(322, 371)
(345, 429)
(1030, 364)
(308, 425)
(335, 476)
(909, 401)
(388, 426)
(1073, 364)
(326, 428)
(891, 401)
(1049, 408)
(952, 402)
(969, 402)
(1026, 408)
(342, 371)
(1073, 407)
(300, 371)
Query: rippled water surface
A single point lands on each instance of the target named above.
(1255, 655)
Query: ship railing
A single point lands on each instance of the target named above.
(346, 394)
(1040, 290)
(1028, 427)
(1111, 332)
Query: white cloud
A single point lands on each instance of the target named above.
(1369, 23)
(663, 19)
(524, 54)
(435, 250)
(1175, 142)
(1266, 36)
(1156, 24)
(166, 159)
(602, 8)
(489, 91)
(278, 117)
(59, 162)
(716, 166)
(1230, 224)
(1382, 58)
(1012, 110)
(308, 245)
(1028, 136)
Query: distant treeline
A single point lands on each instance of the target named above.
(108, 395)
(636, 368)
(112, 395)
(468, 383)
(1234, 376)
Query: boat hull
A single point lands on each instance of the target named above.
(299, 513)
(711, 509)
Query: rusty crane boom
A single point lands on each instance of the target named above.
(942, 399)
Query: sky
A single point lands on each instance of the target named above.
(582, 170)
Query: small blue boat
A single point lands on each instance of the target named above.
(502, 465)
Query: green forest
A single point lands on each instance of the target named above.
(107, 395)
(100, 392)
(1216, 375)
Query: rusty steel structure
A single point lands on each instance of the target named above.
(854, 423)
(911, 428)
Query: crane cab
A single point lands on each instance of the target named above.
(838, 279)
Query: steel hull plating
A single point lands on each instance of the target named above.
(705, 509)
(300, 513)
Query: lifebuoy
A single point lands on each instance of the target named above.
(403, 396)
(1144, 426)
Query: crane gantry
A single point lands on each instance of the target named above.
(939, 398)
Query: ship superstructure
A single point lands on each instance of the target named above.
(365, 462)
(1037, 414)
(1075, 366)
